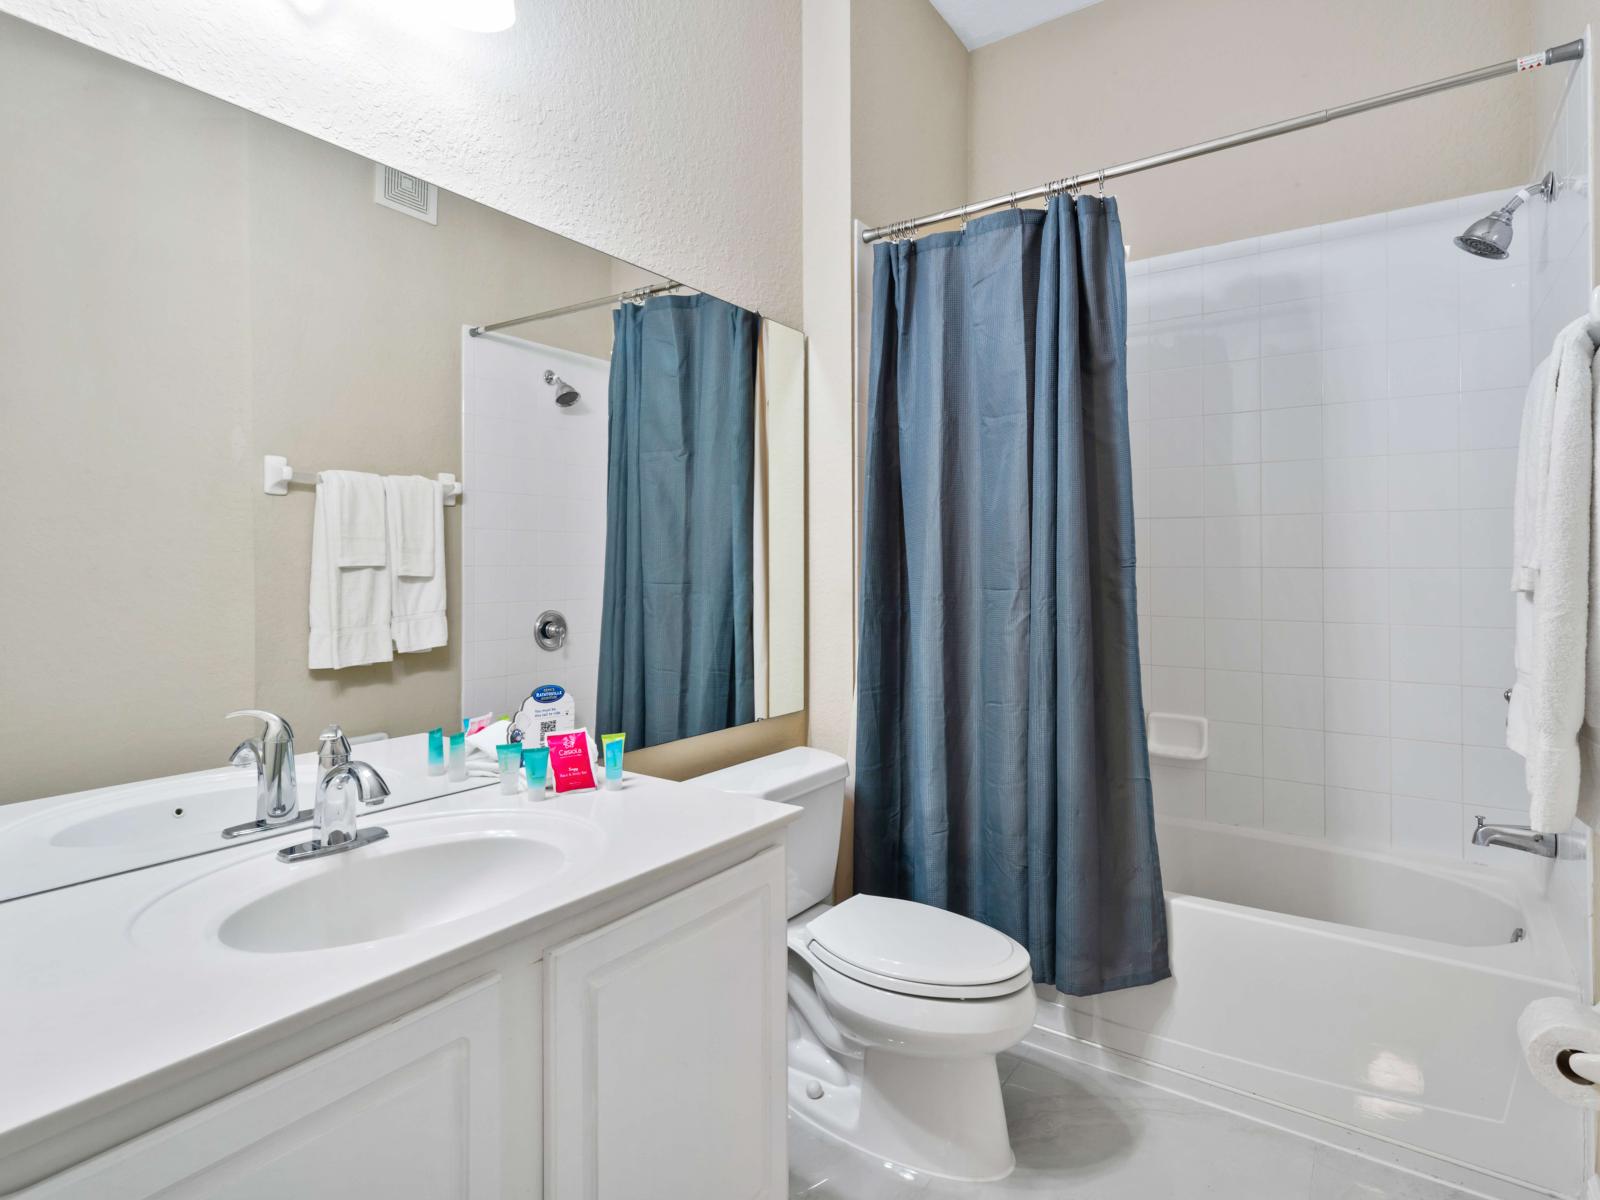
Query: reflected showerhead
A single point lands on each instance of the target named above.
(566, 394)
(1490, 237)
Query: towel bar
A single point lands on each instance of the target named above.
(277, 475)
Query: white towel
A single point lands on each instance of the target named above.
(418, 602)
(1533, 459)
(413, 504)
(354, 505)
(1554, 637)
(350, 606)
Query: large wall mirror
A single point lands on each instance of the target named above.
(236, 361)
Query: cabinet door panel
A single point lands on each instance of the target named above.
(409, 1111)
(665, 1048)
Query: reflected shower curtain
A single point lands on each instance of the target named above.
(1001, 762)
(675, 634)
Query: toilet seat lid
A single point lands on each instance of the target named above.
(915, 943)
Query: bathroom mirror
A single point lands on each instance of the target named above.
(202, 311)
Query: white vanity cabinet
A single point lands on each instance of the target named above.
(409, 1111)
(664, 1048)
(641, 1058)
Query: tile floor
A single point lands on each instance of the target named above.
(1083, 1134)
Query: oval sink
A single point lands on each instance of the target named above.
(375, 897)
(430, 871)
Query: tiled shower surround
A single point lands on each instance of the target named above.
(535, 522)
(1324, 429)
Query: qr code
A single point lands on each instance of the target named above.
(546, 727)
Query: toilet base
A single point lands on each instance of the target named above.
(935, 1116)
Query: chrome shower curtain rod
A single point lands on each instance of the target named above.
(1566, 52)
(629, 296)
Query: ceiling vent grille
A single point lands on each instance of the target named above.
(406, 193)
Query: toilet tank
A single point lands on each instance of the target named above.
(814, 780)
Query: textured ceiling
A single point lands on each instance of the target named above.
(979, 22)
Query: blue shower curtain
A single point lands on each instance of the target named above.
(677, 616)
(1001, 762)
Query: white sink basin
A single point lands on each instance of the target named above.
(430, 871)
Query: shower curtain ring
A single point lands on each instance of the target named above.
(1102, 183)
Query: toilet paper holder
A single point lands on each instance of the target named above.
(1580, 1067)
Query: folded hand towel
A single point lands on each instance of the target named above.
(350, 606)
(418, 602)
(353, 501)
(414, 509)
(1553, 629)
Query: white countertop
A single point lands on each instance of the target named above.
(148, 821)
(85, 1008)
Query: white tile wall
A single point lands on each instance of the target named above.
(1560, 236)
(1324, 429)
(534, 514)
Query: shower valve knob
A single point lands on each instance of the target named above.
(550, 630)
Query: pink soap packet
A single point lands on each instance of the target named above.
(571, 760)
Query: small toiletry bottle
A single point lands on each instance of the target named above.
(611, 744)
(510, 759)
(536, 765)
(458, 757)
(436, 752)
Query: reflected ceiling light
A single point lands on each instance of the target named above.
(479, 16)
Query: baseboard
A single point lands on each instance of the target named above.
(1051, 1046)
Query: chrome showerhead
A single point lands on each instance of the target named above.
(566, 394)
(1490, 237)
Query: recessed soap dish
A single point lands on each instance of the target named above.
(1177, 736)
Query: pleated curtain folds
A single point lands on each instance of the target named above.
(1002, 769)
(676, 658)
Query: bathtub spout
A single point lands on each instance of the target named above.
(1515, 837)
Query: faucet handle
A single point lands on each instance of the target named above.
(276, 727)
(333, 749)
(246, 754)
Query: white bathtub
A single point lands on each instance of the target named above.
(1366, 999)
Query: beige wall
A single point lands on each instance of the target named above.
(356, 316)
(908, 110)
(884, 89)
(1133, 77)
(113, 544)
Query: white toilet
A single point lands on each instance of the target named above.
(896, 1010)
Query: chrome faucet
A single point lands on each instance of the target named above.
(1515, 837)
(345, 785)
(272, 755)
